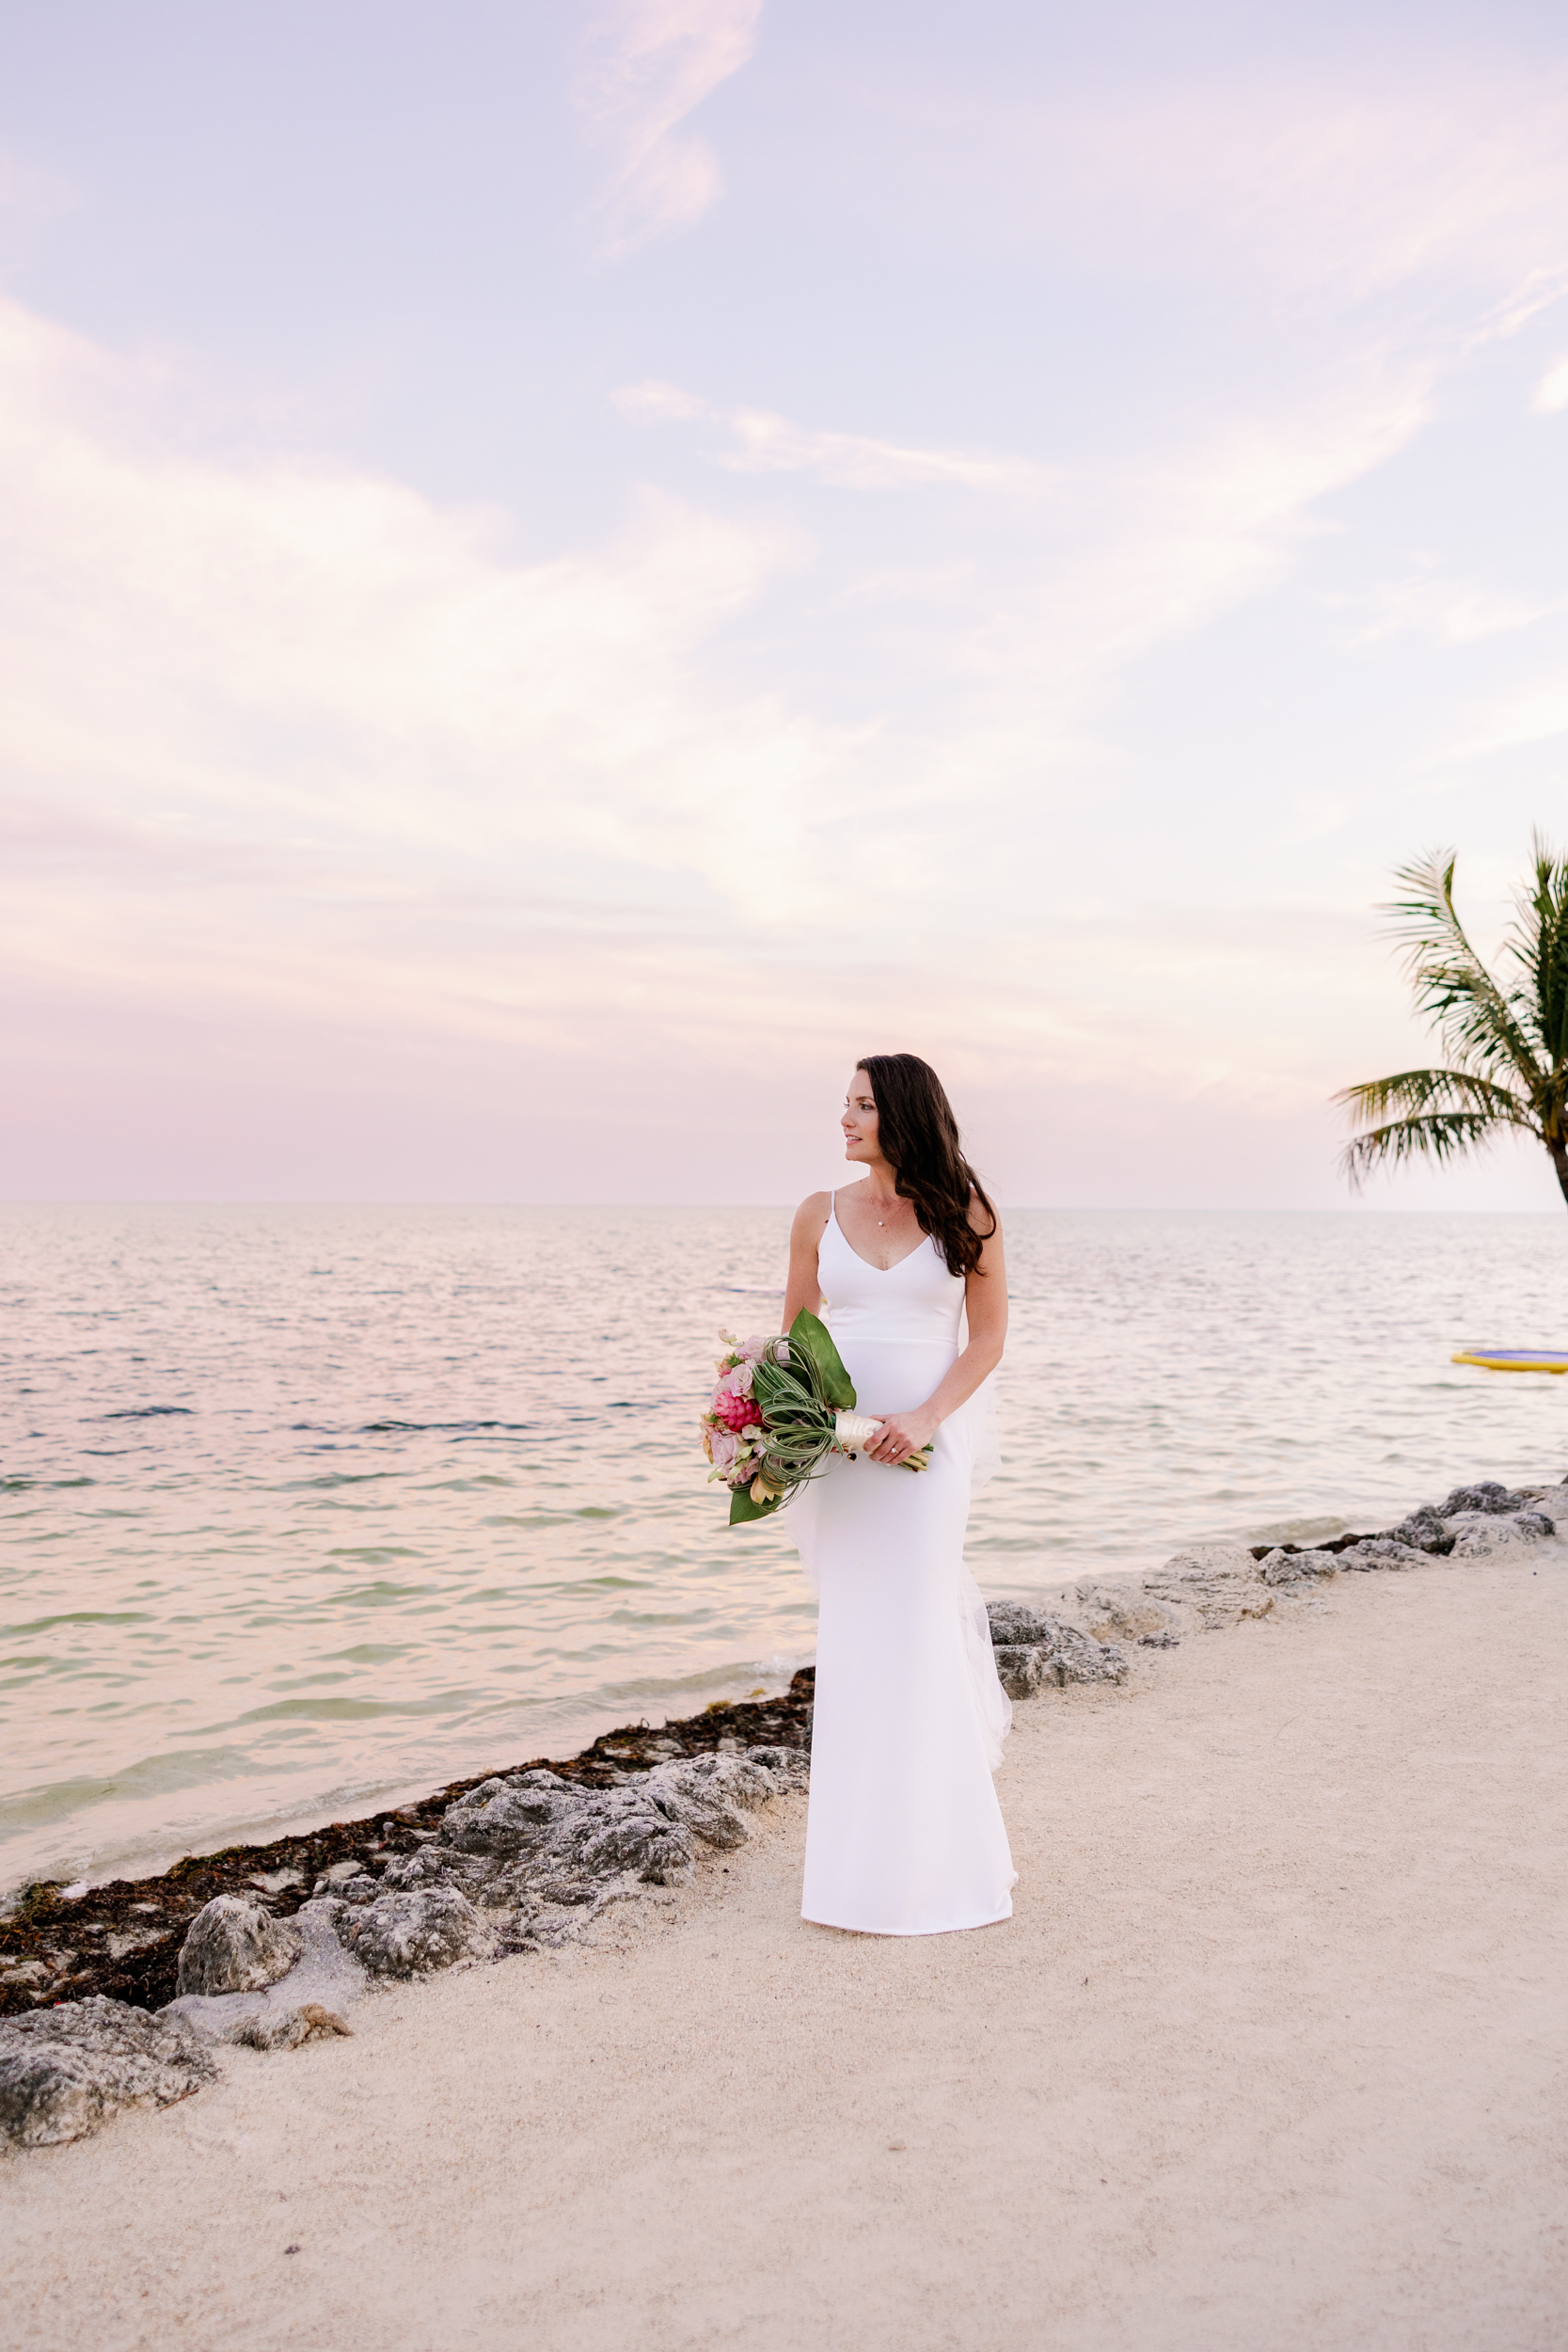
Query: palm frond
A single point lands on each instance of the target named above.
(1538, 948)
(1479, 1023)
(1416, 1092)
(1438, 1136)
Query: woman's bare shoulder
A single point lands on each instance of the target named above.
(812, 1212)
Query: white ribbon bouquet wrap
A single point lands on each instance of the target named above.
(781, 1406)
(853, 1430)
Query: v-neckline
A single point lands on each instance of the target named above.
(832, 1211)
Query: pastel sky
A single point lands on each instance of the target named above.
(569, 568)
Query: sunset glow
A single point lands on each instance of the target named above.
(567, 573)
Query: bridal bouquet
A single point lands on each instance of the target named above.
(780, 1408)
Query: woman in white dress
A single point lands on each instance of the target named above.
(904, 1834)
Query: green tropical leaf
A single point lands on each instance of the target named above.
(1538, 948)
(742, 1508)
(1505, 1039)
(1420, 1093)
(816, 1343)
(1440, 1135)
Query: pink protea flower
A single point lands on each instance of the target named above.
(736, 1412)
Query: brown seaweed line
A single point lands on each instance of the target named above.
(59, 1934)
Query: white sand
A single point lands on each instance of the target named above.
(1273, 2056)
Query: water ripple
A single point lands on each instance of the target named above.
(395, 1494)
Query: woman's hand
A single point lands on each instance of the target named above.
(902, 1434)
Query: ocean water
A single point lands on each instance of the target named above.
(308, 1509)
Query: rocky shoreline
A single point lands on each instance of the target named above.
(123, 1939)
(120, 1996)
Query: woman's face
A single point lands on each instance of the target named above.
(860, 1120)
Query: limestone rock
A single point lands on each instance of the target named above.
(707, 1796)
(1488, 1494)
(599, 1844)
(437, 1865)
(560, 1844)
(787, 1767)
(64, 2071)
(649, 1826)
(336, 1877)
(1015, 1625)
(1219, 1583)
(1023, 1672)
(1482, 1535)
(1423, 1530)
(235, 1947)
(285, 2028)
(1298, 1568)
(324, 1976)
(742, 1776)
(1381, 1552)
(539, 1841)
(506, 1816)
(1119, 1612)
(1037, 1650)
(412, 1933)
(360, 1886)
(521, 1861)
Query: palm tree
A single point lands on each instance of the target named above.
(1505, 1039)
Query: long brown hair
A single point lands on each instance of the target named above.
(919, 1139)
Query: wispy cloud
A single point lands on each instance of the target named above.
(1529, 710)
(329, 810)
(644, 66)
(1137, 555)
(308, 779)
(1551, 393)
(319, 657)
(761, 442)
(1451, 611)
(1320, 182)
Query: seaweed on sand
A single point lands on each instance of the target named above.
(124, 1938)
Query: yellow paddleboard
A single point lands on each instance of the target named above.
(1514, 1359)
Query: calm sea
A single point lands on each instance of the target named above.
(307, 1509)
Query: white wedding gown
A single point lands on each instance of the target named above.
(904, 1836)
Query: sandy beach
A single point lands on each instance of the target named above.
(1274, 2054)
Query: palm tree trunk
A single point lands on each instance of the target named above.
(1560, 1161)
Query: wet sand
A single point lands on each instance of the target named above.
(1273, 2056)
